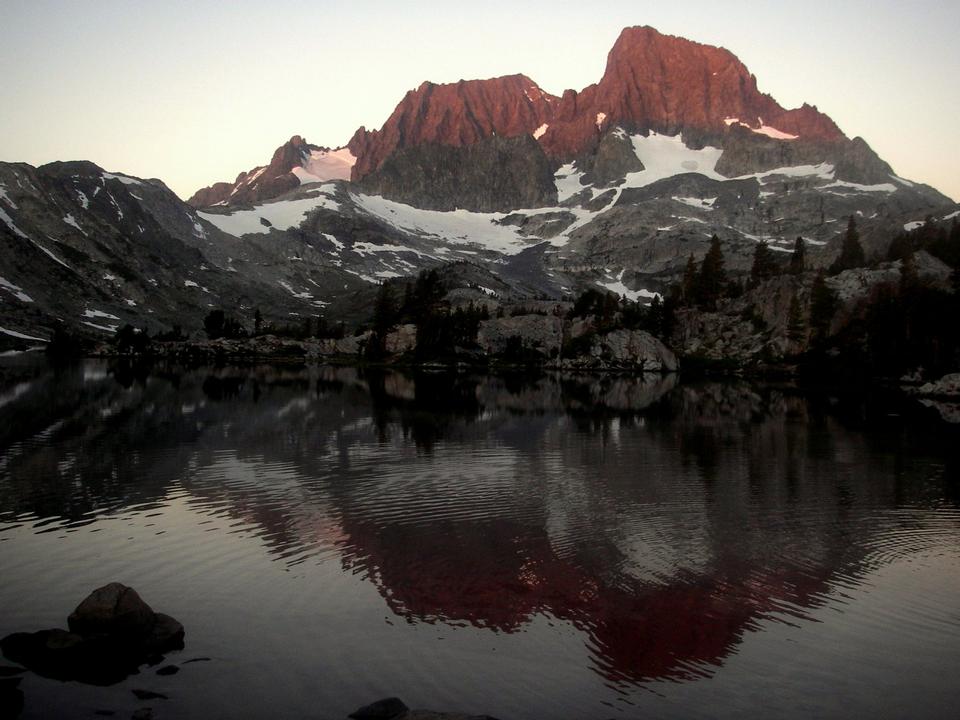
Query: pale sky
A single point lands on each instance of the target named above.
(193, 92)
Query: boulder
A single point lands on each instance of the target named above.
(112, 632)
(111, 609)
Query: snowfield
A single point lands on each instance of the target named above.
(282, 214)
(323, 166)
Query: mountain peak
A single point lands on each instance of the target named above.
(455, 114)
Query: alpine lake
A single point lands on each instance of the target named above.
(521, 546)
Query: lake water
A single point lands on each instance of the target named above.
(553, 547)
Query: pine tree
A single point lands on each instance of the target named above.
(798, 260)
(384, 311)
(851, 252)
(764, 265)
(713, 278)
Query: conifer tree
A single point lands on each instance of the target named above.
(798, 260)
(713, 278)
(851, 252)
(764, 265)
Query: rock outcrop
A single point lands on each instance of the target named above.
(626, 350)
(540, 334)
(496, 174)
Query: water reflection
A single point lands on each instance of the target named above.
(663, 521)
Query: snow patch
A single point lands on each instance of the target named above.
(567, 180)
(600, 118)
(6, 198)
(365, 248)
(617, 286)
(882, 187)
(324, 165)
(665, 156)
(19, 335)
(122, 178)
(457, 227)
(299, 295)
(905, 183)
(8, 221)
(914, 225)
(105, 328)
(336, 243)
(72, 222)
(84, 200)
(15, 290)
(50, 254)
(952, 215)
(699, 203)
(115, 205)
(257, 172)
(190, 283)
(767, 130)
(823, 171)
(538, 133)
(282, 215)
(99, 314)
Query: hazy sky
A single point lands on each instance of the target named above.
(194, 92)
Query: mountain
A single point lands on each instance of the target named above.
(653, 83)
(294, 163)
(612, 187)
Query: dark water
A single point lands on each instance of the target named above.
(527, 548)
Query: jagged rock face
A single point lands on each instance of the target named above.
(494, 174)
(454, 114)
(614, 159)
(652, 82)
(673, 85)
(294, 162)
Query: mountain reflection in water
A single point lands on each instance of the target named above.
(663, 521)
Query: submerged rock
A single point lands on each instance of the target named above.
(381, 710)
(395, 709)
(112, 632)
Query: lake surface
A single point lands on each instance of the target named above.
(553, 547)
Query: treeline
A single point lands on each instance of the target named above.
(441, 331)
